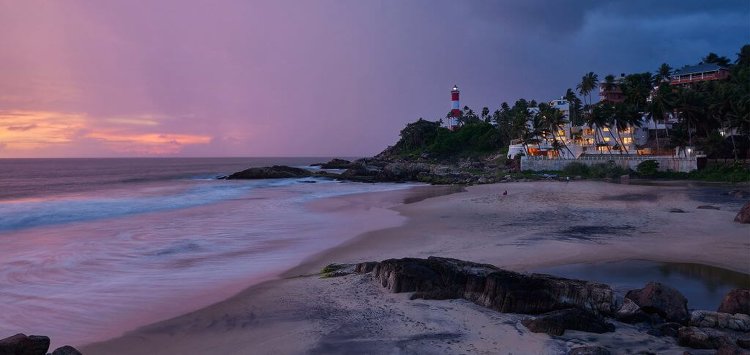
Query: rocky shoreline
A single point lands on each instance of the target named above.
(559, 304)
(22, 344)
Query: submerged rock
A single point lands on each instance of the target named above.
(557, 322)
(20, 344)
(489, 286)
(657, 298)
(736, 301)
(743, 216)
(272, 172)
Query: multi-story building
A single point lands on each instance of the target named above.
(576, 141)
(691, 74)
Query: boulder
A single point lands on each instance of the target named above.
(20, 344)
(697, 338)
(66, 350)
(736, 301)
(743, 216)
(489, 286)
(629, 312)
(744, 343)
(336, 164)
(557, 322)
(589, 350)
(708, 319)
(272, 172)
(657, 298)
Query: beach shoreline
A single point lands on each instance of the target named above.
(537, 224)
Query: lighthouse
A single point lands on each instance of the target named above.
(455, 108)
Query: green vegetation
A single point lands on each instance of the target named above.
(648, 168)
(733, 173)
(471, 139)
(576, 169)
(330, 269)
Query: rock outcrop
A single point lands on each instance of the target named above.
(736, 301)
(272, 172)
(336, 164)
(697, 338)
(21, 344)
(743, 216)
(629, 312)
(708, 319)
(660, 299)
(489, 286)
(557, 322)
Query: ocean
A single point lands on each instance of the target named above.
(90, 248)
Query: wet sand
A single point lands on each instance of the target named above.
(536, 225)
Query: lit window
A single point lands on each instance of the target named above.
(606, 139)
(627, 140)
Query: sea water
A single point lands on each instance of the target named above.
(90, 248)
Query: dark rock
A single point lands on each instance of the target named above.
(743, 216)
(489, 286)
(630, 312)
(589, 350)
(663, 300)
(697, 338)
(736, 301)
(20, 344)
(708, 207)
(730, 349)
(557, 322)
(336, 164)
(273, 172)
(676, 210)
(669, 329)
(363, 268)
(744, 343)
(66, 350)
(707, 319)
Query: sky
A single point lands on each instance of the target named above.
(212, 78)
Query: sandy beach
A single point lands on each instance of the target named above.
(536, 225)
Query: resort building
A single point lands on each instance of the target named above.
(577, 141)
(611, 92)
(691, 74)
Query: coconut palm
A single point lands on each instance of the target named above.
(663, 73)
(662, 103)
(588, 83)
(552, 120)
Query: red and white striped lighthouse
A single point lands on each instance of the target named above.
(455, 108)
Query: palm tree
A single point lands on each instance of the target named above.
(596, 119)
(574, 107)
(661, 105)
(716, 59)
(663, 73)
(485, 114)
(588, 83)
(552, 120)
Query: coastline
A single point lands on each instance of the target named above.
(533, 226)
